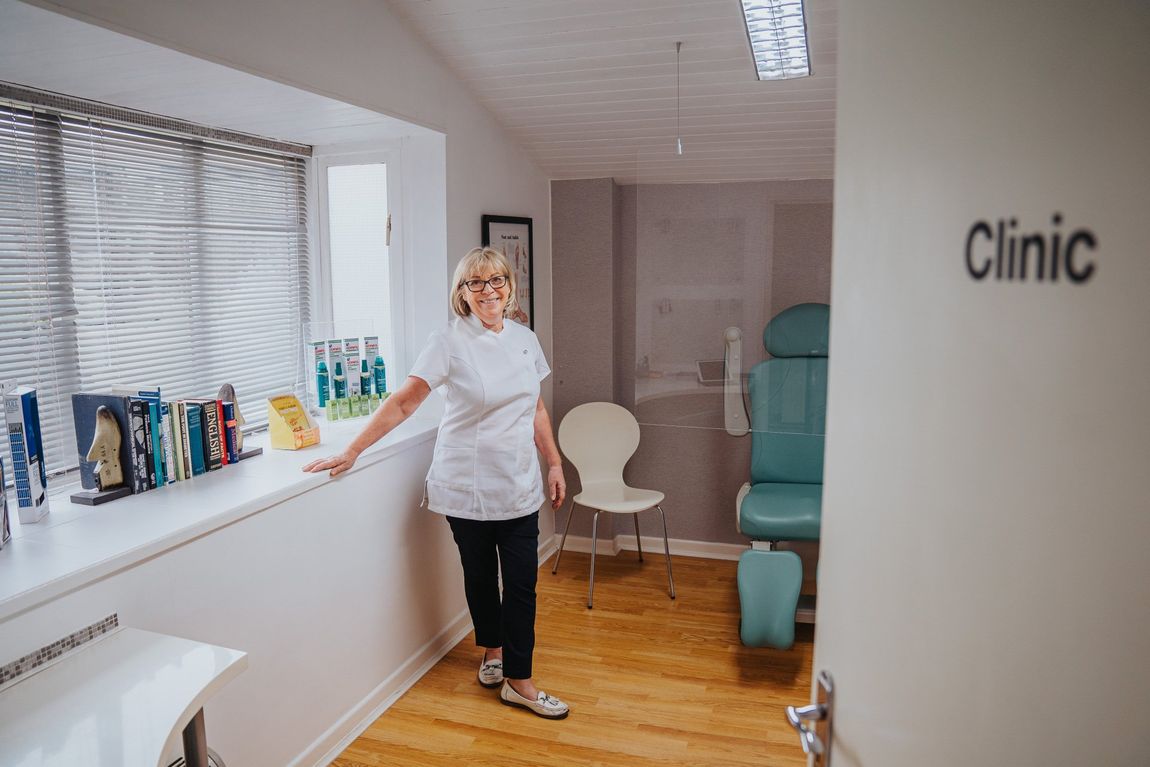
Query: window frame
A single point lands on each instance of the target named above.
(320, 247)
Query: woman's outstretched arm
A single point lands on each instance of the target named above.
(395, 410)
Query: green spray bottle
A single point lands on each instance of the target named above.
(364, 378)
(379, 375)
(322, 383)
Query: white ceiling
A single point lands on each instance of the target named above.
(45, 50)
(588, 86)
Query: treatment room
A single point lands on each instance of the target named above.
(527, 382)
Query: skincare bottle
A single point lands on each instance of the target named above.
(322, 382)
(364, 378)
(339, 382)
(379, 374)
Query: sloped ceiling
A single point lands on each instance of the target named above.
(588, 86)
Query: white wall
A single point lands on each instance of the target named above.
(983, 586)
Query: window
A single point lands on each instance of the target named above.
(138, 256)
(358, 296)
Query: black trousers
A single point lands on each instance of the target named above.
(485, 549)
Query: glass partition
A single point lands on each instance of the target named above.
(711, 265)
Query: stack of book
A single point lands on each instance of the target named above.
(161, 441)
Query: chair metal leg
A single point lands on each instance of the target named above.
(594, 545)
(638, 542)
(667, 551)
(559, 554)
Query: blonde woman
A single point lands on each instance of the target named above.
(485, 474)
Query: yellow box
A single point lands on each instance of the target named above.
(289, 425)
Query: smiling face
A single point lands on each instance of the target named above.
(488, 304)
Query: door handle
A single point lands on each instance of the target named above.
(798, 717)
(815, 737)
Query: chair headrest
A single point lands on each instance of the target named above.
(801, 331)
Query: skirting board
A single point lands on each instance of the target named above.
(322, 752)
(653, 545)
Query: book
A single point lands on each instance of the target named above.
(177, 439)
(139, 435)
(155, 463)
(186, 444)
(231, 437)
(151, 395)
(155, 433)
(212, 431)
(193, 413)
(22, 414)
(170, 473)
(223, 432)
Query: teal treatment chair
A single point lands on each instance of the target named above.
(783, 500)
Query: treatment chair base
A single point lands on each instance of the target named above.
(769, 584)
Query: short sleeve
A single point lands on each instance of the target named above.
(542, 369)
(434, 361)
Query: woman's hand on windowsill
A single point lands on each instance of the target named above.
(337, 464)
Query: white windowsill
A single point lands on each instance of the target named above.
(75, 545)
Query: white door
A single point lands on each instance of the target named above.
(984, 587)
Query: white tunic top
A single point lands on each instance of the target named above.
(485, 464)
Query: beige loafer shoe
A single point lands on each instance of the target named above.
(544, 706)
(490, 673)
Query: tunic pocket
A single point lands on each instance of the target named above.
(505, 481)
(451, 481)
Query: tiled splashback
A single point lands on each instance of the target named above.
(34, 660)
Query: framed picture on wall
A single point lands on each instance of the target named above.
(511, 236)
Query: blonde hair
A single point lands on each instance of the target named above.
(474, 263)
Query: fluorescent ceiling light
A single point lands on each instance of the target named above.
(778, 33)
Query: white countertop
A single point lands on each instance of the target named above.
(122, 699)
(75, 545)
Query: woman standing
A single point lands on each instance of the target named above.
(485, 475)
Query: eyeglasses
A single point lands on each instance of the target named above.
(476, 286)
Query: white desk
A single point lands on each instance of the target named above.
(122, 700)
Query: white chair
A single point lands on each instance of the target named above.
(599, 438)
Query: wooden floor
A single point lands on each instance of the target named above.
(650, 681)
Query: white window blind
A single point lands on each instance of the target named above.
(134, 256)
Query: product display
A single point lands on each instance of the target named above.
(289, 426)
(348, 385)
